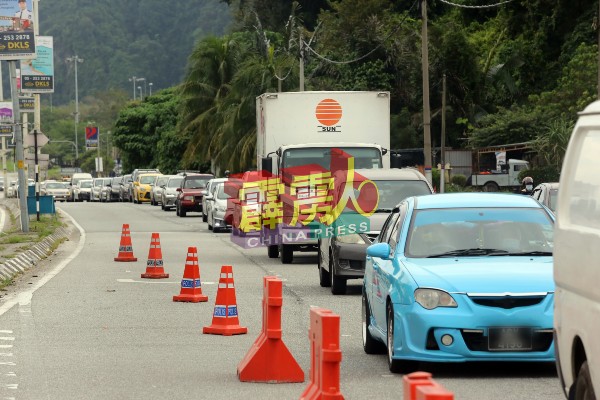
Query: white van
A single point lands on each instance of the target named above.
(577, 261)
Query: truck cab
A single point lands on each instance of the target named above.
(505, 177)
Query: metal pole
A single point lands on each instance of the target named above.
(98, 169)
(12, 67)
(426, 109)
(150, 84)
(301, 73)
(37, 175)
(4, 149)
(132, 79)
(75, 60)
(443, 144)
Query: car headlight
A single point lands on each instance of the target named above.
(433, 298)
(353, 238)
(188, 198)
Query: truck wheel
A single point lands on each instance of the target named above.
(491, 187)
(273, 251)
(287, 254)
(584, 389)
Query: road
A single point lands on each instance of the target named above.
(96, 330)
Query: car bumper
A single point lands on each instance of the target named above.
(418, 332)
(191, 206)
(219, 220)
(143, 196)
(169, 201)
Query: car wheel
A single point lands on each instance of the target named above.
(210, 226)
(273, 251)
(338, 284)
(182, 213)
(491, 187)
(396, 366)
(370, 344)
(324, 278)
(162, 206)
(287, 254)
(584, 390)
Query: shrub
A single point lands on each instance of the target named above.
(459, 180)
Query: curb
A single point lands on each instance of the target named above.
(30, 258)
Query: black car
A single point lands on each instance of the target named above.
(115, 188)
(124, 187)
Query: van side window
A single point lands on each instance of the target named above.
(584, 209)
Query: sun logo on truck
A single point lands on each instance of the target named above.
(328, 112)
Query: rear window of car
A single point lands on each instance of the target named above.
(196, 183)
(148, 179)
(174, 182)
(55, 185)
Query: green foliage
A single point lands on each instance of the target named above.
(546, 173)
(459, 180)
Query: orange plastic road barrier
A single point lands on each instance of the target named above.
(420, 386)
(225, 315)
(435, 392)
(191, 287)
(269, 359)
(125, 248)
(325, 357)
(154, 266)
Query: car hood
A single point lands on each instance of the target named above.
(484, 274)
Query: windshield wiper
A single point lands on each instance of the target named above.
(470, 252)
(531, 253)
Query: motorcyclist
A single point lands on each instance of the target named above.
(226, 173)
(527, 186)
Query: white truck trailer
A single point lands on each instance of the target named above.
(506, 178)
(300, 128)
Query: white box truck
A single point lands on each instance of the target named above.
(300, 128)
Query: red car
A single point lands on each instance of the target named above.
(190, 193)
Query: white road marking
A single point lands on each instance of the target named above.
(6, 331)
(6, 338)
(6, 346)
(170, 283)
(6, 354)
(12, 386)
(10, 374)
(7, 363)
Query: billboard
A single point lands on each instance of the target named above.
(37, 75)
(91, 137)
(17, 40)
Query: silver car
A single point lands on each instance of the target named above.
(83, 190)
(217, 208)
(97, 187)
(157, 189)
(169, 194)
(58, 190)
(210, 185)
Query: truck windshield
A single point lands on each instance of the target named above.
(364, 157)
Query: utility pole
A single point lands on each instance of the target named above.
(76, 60)
(132, 79)
(443, 172)
(426, 109)
(301, 62)
(12, 67)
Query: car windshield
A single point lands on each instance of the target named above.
(162, 180)
(196, 183)
(480, 231)
(221, 193)
(148, 179)
(86, 184)
(175, 182)
(98, 182)
(393, 192)
(55, 185)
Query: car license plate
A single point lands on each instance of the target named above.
(509, 339)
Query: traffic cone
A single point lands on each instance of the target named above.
(125, 248)
(191, 289)
(225, 316)
(154, 266)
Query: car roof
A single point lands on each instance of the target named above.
(472, 200)
(551, 185)
(198, 175)
(376, 174)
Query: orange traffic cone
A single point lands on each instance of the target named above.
(225, 316)
(125, 248)
(154, 266)
(191, 288)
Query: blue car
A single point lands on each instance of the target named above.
(461, 277)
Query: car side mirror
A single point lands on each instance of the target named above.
(209, 197)
(379, 250)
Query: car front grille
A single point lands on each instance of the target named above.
(477, 341)
(507, 302)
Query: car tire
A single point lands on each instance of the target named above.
(396, 366)
(491, 187)
(287, 254)
(182, 213)
(162, 207)
(210, 226)
(370, 344)
(338, 284)
(273, 251)
(584, 390)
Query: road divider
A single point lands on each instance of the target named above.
(421, 386)
(269, 360)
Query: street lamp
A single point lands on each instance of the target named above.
(150, 84)
(144, 80)
(76, 60)
(133, 79)
(140, 89)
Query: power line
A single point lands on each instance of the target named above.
(370, 52)
(484, 6)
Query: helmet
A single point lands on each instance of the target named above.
(528, 180)
(226, 173)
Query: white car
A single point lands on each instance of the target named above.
(83, 190)
(209, 187)
(97, 186)
(59, 190)
(217, 209)
(157, 189)
(169, 194)
(11, 191)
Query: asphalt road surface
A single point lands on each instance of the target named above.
(85, 327)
